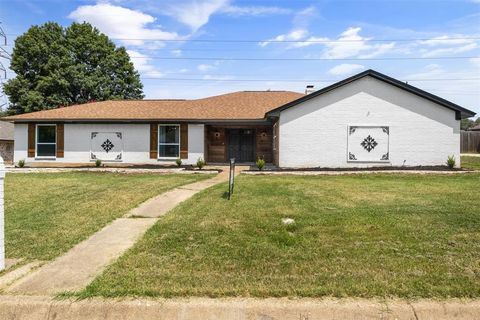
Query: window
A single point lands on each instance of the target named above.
(46, 141)
(168, 141)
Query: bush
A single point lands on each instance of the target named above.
(21, 163)
(178, 162)
(451, 162)
(200, 163)
(98, 163)
(260, 164)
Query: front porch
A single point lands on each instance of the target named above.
(245, 143)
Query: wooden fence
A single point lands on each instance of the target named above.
(470, 142)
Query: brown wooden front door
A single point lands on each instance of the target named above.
(241, 144)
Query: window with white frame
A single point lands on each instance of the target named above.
(46, 140)
(169, 141)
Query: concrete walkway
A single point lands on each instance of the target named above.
(28, 307)
(80, 265)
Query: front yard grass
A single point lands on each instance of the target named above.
(469, 162)
(48, 213)
(362, 236)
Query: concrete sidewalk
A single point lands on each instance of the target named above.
(80, 265)
(30, 307)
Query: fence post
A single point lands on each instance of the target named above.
(2, 217)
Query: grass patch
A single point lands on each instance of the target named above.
(362, 235)
(48, 213)
(472, 163)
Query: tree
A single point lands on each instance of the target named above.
(58, 66)
(469, 123)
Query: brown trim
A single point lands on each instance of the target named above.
(184, 141)
(153, 140)
(31, 139)
(60, 140)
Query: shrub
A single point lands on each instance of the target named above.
(200, 163)
(178, 162)
(260, 164)
(98, 163)
(451, 162)
(21, 163)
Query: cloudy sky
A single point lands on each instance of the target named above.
(191, 49)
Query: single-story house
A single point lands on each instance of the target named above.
(369, 119)
(6, 141)
(475, 128)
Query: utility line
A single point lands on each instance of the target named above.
(302, 59)
(288, 41)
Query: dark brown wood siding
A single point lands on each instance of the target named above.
(216, 144)
(31, 140)
(263, 146)
(276, 142)
(153, 140)
(60, 140)
(184, 141)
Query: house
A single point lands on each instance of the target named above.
(369, 119)
(6, 141)
(475, 128)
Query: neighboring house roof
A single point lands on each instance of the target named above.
(476, 128)
(243, 105)
(6, 131)
(461, 113)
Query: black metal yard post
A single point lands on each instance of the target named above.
(231, 180)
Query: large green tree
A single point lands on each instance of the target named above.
(58, 66)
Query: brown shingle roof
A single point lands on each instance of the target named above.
(241, 105)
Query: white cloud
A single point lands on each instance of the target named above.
(217, 77)
(310, 41)
(475, 61)
(206, 67)
(350, 43)
(446, 45)
(345, 68)
(448, 51)
(195, 14)
(254, 10)
(293, 35)
(143, 66)
(176, 52)
(121, 23)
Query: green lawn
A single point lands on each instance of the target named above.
(361, 236)
(472, 163)
(48, 213)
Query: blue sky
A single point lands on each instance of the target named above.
(332, 39)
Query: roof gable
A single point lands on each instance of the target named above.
(460, 112)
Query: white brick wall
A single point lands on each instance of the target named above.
(136, 142)
(2, 216)
(314, 133)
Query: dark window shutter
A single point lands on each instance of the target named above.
(60, 140)
(184, 141)
(31, 140)
(153, 141)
